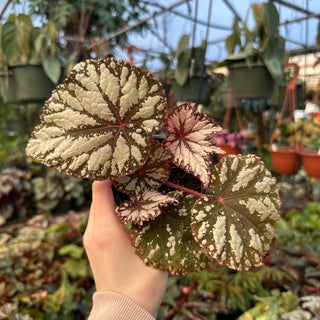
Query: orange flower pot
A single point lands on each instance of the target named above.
(284, 160)
(311, 163)
(229, 150)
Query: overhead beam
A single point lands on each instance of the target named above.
(310, 16)
(230, 6)
(293, 6)
(154, 14)
(4, 8)
(182, 15)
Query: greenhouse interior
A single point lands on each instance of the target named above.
(122, 124)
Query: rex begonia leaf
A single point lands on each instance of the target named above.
(167, 242)
(189, 140)
(145, 207)
(151, 175)
(97, 124)
(235, 226)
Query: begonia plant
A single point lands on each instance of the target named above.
(185, 214)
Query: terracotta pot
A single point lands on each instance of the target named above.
(311, 163)
(284, 160)
(229, 150)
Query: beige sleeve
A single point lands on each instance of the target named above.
(109, 305)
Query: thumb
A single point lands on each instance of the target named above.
(102, 209)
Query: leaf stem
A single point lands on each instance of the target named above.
(184, 189)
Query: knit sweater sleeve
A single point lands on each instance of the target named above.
(109, 305)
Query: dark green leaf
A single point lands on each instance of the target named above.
(167, 242)
(272, 17)
(235, 226)
(12, 40)
(182, 71)
(52, 68)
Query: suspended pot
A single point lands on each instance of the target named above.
(250, 83)
(311, 163)
(229, 150)
(196, 89)
(7, 88)
(285, 160)
(32, 84)
(279, 94)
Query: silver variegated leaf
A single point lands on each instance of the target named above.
(151, 175)
(189, 140)
(235, 226)
(97, 124)
(145, 207)
(167, 242)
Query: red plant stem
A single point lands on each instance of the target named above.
(185, 296)
(184, 189)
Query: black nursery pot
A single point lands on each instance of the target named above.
(196, 89)
(32, 84)
(7, 88)
(251, 83)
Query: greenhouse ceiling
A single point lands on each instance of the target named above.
(212, 20)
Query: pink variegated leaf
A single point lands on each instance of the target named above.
(189, 140)
(151, 175)
(144, 207)
(98, 123)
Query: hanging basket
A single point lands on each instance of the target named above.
(251, 83)
(284, 160)
(196, 89)
(229, 150)
(7, 88)
(280, 93)
(311, 163)
(31, 82)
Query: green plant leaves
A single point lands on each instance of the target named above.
(235, 226)
(182, 71)
(167, 242)
(272, 17)
(144, 207)
(183, 44)
(97, 124)
(52, 67)
(11, 39)
(273, 57)
(151, 175)
(189, 140)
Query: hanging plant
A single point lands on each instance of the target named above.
(185, 214)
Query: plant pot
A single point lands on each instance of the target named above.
(284, 160)
(7, 88)
(31, 82)
(251, 83)
(229, 150)
(280, 93)
(196, 89)
(311, 163)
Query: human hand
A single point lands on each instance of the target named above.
(115, 265)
